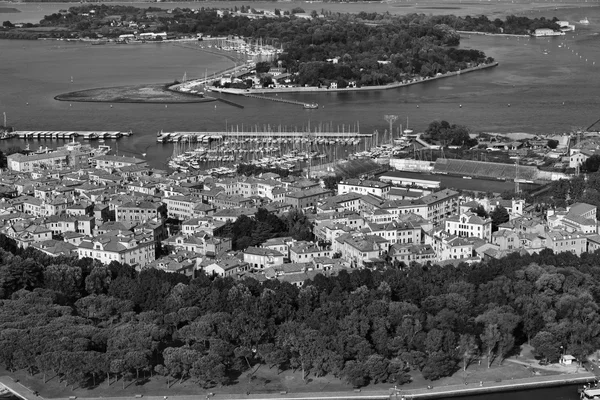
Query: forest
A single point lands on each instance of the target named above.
(92, 324)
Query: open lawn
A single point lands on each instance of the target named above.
(152, 93)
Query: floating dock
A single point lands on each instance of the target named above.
(67, 135)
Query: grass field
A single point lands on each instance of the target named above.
(264, 380)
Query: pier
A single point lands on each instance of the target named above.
(68, 135)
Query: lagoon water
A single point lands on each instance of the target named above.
(541, 86)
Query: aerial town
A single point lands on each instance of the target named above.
(79, 200)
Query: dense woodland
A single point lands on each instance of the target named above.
(93, 324)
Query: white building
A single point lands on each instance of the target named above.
(261, 258)
(376, 188)
(469, 224)
(126, 249)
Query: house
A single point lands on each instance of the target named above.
(563, 241)
(506, 239)
(441, 204)
(448, 246)
(469, 224)
(124, 248)
(261, 258)
(567, 359)
(280, 244)
(225, 267)
(140, 211)
(55, 248)
(109, 162)
(199, 243)
(306, 198)
(181, 263)
(361, 250)
(409, 253)
(306, 252)
(180, 207)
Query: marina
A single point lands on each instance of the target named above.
(66, 135)
(290, 153)
(344, 134)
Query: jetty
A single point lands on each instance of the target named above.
(277, 99)
(68, 135)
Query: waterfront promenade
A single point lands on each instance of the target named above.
(392, 393)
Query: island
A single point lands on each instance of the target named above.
(283, 50)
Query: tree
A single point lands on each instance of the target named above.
(7, 24)
(63, 278)
(356, 373)
(499, 216)
(546, 346)
(552, 144)
(263, 67)
(490, 338)
(468, 349)
(592, 163)
(480, 211)
(331, 182)
(438, 365)
(98, 281)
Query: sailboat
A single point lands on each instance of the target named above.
(407, 131)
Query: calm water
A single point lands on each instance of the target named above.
(547, 93)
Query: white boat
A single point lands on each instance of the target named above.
(584, 21)
(590, 393)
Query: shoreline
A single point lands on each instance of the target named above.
(491, 34)
(314, 89)
(393, 393)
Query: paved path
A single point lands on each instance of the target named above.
(392, 393)
(17, 388)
